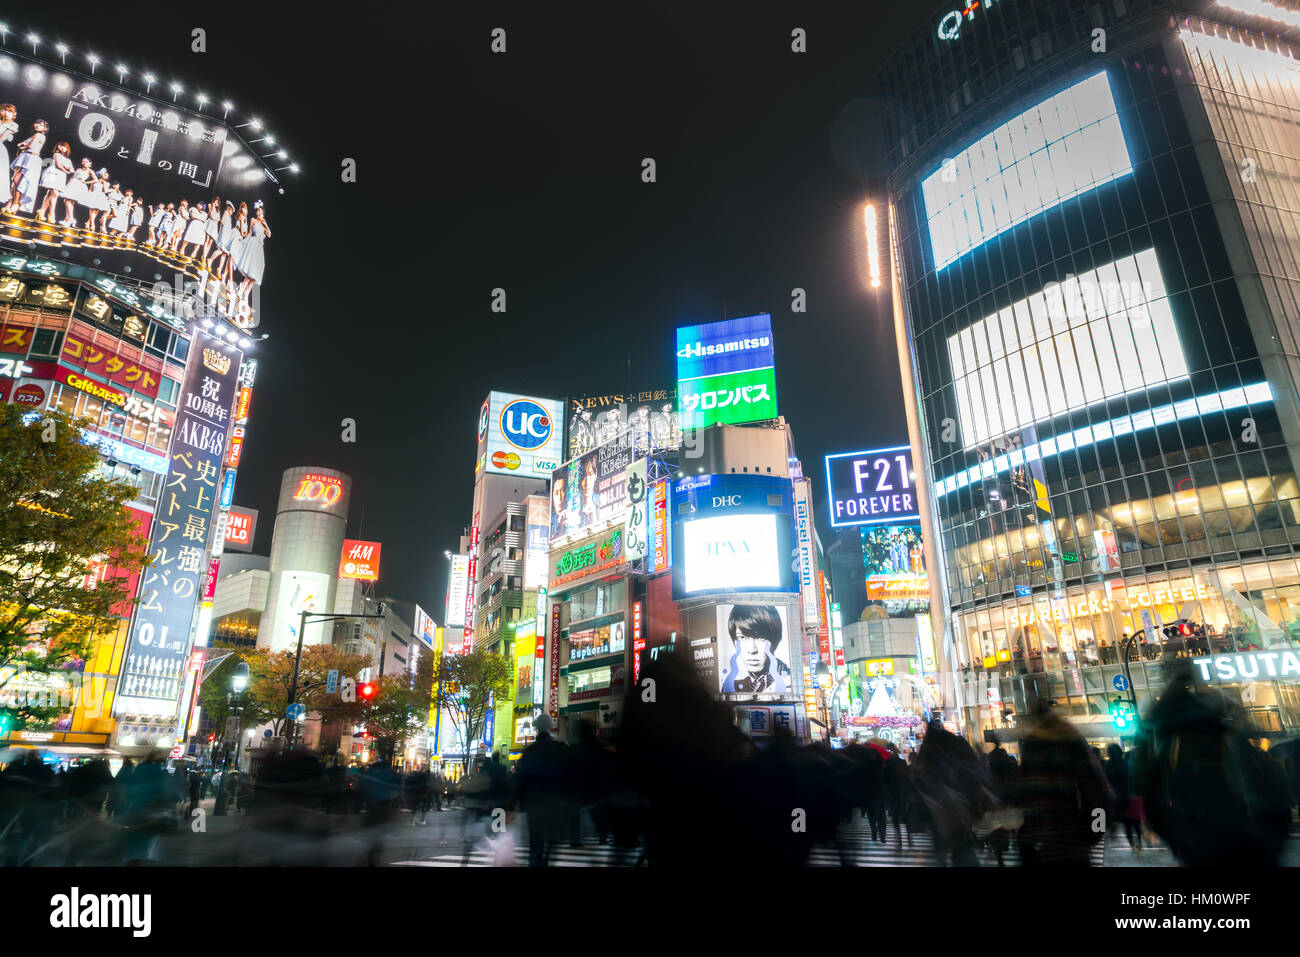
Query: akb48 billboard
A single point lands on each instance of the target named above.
(114, 176)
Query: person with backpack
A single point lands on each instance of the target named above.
(1206, 790)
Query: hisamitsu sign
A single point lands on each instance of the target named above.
(872, 487)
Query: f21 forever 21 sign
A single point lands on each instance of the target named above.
(872, 487)
(152, 673)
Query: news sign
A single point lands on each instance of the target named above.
(359, 560)
(522, 435)
(651, 415)
(873, 487)
(726, 372)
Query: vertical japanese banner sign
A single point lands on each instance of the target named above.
(435, 712)
(634, 536)
(153, 668)
(823, 633)
(803, 528)
(471, 589)
(553, 699)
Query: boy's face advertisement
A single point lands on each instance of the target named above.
(757, 658)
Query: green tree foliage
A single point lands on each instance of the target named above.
(59, 522)
(465, 684)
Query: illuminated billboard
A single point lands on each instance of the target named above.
(521, 435)
(457, 589)
(426, 630)
(149, 681)
(872, 487)
(726, 372)
(241, 527)
(893, 559)
(538, 541)
(299, 592)
(754, 649)
(650, 414)
(114, 176)
(359, 560)
(732, 533)
(590, 491)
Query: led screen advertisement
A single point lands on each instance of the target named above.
(117, 177)
(732, 533)
(590, 491)
(754, 649)
(521, 435)
(726, 372)
(151, 674)
(651, 415)
(894, 563)
(872, 487)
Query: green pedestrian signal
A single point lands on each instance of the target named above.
(1123, 715)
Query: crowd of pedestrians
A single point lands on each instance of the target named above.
(678, 776)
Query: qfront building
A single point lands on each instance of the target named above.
(1095, 242)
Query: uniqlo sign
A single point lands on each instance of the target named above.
(241, 523)
(360, 560)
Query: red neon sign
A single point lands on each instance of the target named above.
(638, 643)
(319, 488)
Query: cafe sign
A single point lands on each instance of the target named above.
(1123, 600)
(600, 553)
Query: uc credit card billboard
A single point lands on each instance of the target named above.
(524, 435)
(726, 372)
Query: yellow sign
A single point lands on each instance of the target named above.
(879, 666)
(91, 387)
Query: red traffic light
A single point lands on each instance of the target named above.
(367, 691)
(1184, 629)
(212, 737)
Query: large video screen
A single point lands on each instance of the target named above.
(732, 533)
(590, 491)
(893, 558)
(651, 416)
(138, 185)
(726, 372)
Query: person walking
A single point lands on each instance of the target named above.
(543, 791)
(1127, 807)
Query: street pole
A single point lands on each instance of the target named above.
(1128, 676)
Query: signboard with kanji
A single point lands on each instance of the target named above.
(151, 675)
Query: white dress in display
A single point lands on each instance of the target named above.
(137, 215)
(237, 241)
(29, 161)
(179, 223)
(56, 174)
(121, 212)
(157, 217)
(227, 231)
(213, 230)
(197, 227)
(7, 131)
(77, 190)
(251, 258)
(98, 198)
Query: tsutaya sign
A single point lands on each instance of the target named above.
(1160, 595)
(951, 23)
(1250, 666)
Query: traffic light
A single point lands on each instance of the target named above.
(367, 691)
(1124, 716)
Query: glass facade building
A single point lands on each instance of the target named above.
(1096, 225)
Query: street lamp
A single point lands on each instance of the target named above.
(297, 661)
(238, 682)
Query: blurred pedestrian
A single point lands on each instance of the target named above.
(1127, 806)
(543, 791)
(1062, 792)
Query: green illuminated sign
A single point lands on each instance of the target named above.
(729, 397)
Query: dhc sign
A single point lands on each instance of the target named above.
(1250, 666)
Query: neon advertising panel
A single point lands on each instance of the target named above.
(872, 487)
(522, 435)
(726, 372)
(1064, 146)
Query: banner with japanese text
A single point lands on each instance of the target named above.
(153, 667)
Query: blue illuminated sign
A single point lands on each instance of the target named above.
(733, 345)
(228, 488)
(872, 487)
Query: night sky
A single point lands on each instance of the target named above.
(523, 171)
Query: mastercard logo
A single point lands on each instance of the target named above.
(505, 460)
